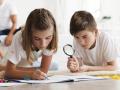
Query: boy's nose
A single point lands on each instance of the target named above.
(82, 42)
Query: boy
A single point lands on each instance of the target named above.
(95, 50)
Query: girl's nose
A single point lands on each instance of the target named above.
(43, 43)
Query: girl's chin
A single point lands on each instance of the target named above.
(86, 47)
(41, 48)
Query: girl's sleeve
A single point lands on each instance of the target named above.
(13, 49)
(48, 52)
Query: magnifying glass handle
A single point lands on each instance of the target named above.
(71, 56)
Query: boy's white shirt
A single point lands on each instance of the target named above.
(18, 56)
(104, 51)
(6, 10)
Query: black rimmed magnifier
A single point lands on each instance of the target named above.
(69, 50)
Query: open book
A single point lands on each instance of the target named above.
(62, 78)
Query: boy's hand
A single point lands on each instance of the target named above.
(73, 64)
(38, 75)
(84, 68)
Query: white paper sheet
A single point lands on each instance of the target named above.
(10, 84)
(63, 78)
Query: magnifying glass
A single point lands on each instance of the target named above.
(69, 50)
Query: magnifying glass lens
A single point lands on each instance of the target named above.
(68, 50)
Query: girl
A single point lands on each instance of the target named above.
(95, 50)
(38, 38)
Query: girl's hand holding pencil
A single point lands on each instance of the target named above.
(39, 75)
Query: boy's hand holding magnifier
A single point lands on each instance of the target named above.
(72, 64)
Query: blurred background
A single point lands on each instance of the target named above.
(106, 13)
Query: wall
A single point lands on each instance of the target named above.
(63, 10)
(26, 6)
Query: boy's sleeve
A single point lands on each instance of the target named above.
(77, 49)
(110, 49)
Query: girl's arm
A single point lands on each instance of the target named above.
(19, 72)
(1, 54)
(46, 61)
(13, 73)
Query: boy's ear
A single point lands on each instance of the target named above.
(96, 32)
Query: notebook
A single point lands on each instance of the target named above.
(62, 78)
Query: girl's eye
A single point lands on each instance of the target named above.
(36, 39)
(49, 37)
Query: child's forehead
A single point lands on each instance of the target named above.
(42, 33)
(83, 32)
(48, 30)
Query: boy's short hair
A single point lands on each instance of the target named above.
(80, 21)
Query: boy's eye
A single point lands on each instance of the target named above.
(77, 37)
(84, 36)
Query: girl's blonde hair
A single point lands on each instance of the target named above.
(40, 19)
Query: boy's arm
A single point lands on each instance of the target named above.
(109, 66)
(73, 66)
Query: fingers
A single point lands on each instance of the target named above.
(39, 75)
(80, 60)
(73, 64)
(84, 68)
